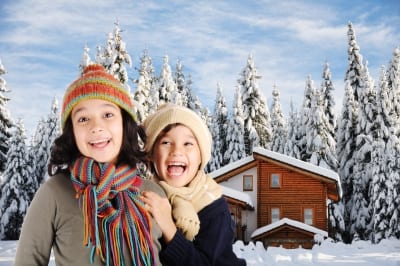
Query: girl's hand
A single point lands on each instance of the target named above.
(161, 210)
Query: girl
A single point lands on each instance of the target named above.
(200, 230)
(89, 211)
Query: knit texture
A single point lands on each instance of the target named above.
(113, 214)
(187, 201)
(168, 114)
(96, 83)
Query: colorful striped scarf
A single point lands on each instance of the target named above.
(113, 214)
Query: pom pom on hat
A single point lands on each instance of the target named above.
(168, 114)
(96, 83)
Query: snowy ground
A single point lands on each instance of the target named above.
(361, 253)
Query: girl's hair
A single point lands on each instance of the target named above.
(64, 150)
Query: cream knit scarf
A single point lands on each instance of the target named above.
(187, 201)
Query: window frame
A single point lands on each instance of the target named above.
(272, 214)
(246, 185)
(312, 215)
(272, 179)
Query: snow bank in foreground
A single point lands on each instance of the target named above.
(361, 253)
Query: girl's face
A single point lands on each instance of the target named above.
(176, 156)
(98, 131)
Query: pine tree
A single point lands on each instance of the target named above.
(181, 84)
(328, 100)
(278, 123)
(142, 96)
(6, 122)
(85, 61)
(320, 144)
(393, 79)
(361, 213)
(345, 147)
(47, 131)
(17, 186)
(292, 145)
(257, 121)
(355, 66)
(114, 56)
(235, 136)
(305, 116)
(219, 132)
(166, 85)
(379, 185)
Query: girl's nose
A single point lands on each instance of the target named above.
(96, 126)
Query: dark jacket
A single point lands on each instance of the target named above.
(212, 245)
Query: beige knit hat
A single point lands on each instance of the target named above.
(168, 114)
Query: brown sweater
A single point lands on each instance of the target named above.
(55, 221)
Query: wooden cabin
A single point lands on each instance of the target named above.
(281, 187)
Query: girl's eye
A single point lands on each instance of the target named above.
(188, 144)
(83, 119)
(108, 115)
(165, 142)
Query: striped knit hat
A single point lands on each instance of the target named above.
(96, 83)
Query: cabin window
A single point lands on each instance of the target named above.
(308, 216)
(275, 215)
(247, 183)
(275, 181)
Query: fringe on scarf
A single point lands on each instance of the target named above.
(112, 212)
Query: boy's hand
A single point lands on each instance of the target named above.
(161, 210)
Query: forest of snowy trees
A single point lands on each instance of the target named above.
(361, 143)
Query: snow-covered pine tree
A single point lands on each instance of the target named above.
(305, 116)
(328, 100)
(278, 123)
(114, 56)
(85, 61)
(257, 120)
(292, 147)
(46, 132)
(320, 145)
(393, 147)
(393, 79)
(142, 96)
(361, 212)
(219, 126)
(345, 147)
(235, 136)
(355, 65)
(166, 85)
(6, 121)
(379, 185)
(181, 84)
(194, 103)
(17, 186)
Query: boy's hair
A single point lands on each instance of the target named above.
(65, 151)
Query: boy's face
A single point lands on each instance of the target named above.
(97, 126)
(176, 156)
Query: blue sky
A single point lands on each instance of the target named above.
(42, 43)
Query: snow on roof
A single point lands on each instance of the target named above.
(290, 222)
(298, 163)
(236, 194)
(231, 166)
(302, 165)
